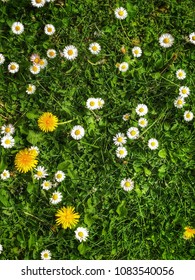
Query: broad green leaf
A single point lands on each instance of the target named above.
(162, 153)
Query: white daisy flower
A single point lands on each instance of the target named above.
(180, 74)
(35, 58)
(179, 102)
(184, 91)
(70, 52)
(35, 150)
(120, 13)
(153, 144)
(8, 129)
(141, 109)
(92, 103)
(143, 122)
(2, 58)
(192, 38)
(123, 67)
(56, 197)
(119, 139)
(43, 63)
(133, 133)
(7, 141)
(94, 48)
(46, 255)
(5, 174)
(100, 103)
(41, 172)
(59, 176)
(46, 185)
(77, 132)
(188, 116)
(121, 152)
(17, 28)
(38, 3)
(35, 69)
(127, 184)
(49, 29)
(136, 51)
(13, 67)
(81, 234)
(51, 53)
(166, 40)
(1, 248)
(31, 89)
(126, 117)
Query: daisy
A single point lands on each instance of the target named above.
(184, 91)
(35, 69)
(123, 67)
(48, 122)
(120, 13)
(17, 28)
(119, 139)
(5, 175)
(43, 63)
(70, 52)
(77, 132)
(127, 184)
(41, 172)
(189, 233)
(94, 48)
(13, 67)
(142, 122)
(188, 116)
(141, 109)
(49, 29)
(34, 150)
(66, 217)
(56, 198)
(192, 38)
(121, 152)
(136, 51)
(133, 133)
(8, 129)
(46, 185)
(1, 248)
(51, 53)
(35, 58)
(46, 254)
(59, 176)
(81, 234)
(153, 144)
(2, 59)
(180, 74)
(7, 141)
(100, 103)
(92, 103)
(31, 89)
(179, 102)
(126, 117)
(166, 40)
(25, 161)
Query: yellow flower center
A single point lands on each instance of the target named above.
(120, 139)
(126, 117)
(133, 132)
(80, 234)
(121, 152)
(70, 52)
(193, 38)
(184, 91)
(35, 68)
(179, 102)
(92, 103)
(51, 53)
(127, 184)
(7, 141)
(188, 115)
(77, 132)
(4, 174)
(42, 62)
(123, 66)
(153, 144)
(7, 129)
(121, 13)
(47, 184)
(94, 48)
(166, 40)
(136, 51)
(141, 110)
(13, 67)
(39, 173)
(17, 28)
(55, 196)
(45, 254)
(180, 74)
(37, 60)
(142, 122)
(29, 88)
(59, 176)
(49, 29)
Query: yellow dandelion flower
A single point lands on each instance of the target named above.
(47, 122)
(67, 217)
(25, 161)
(189, 233)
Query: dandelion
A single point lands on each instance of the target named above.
(1, 248)
(100, 103)
(49, 29)
(127, 184)
(166, 40)
(136, 51)
(51, 53)
(46, 255)
(25, 161)
(17, 28)
(31, 89)
(179, 102)
(2, 59)
(7, 141)
(43, 63)
(142, 122)
(77, 132)
(8, 129)
(120, 13)
(46, 185)
(13, 67)
(59, 176)
(189, 233)
(192, 38)
(119, 139)
(121, 152)
(41, 172)
(81, 234)
(188, 116)
(92, 103)
(184, 91)
(123, 67)
(47, 122)
(56, 198)
(126, 117)
(141, 109)
(35, 69)
(5, 174)
(70, 52)
(133, 133)
(94, 48)
(66, 217)
(153, 144)
(180, 74)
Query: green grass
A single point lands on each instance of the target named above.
(149, 221)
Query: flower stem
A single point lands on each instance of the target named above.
(65, 122)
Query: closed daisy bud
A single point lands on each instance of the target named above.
(123, 50)
(13, 67)
(166, 40)
(120, 13)
(17, 28)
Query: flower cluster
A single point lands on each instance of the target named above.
(7, 141)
